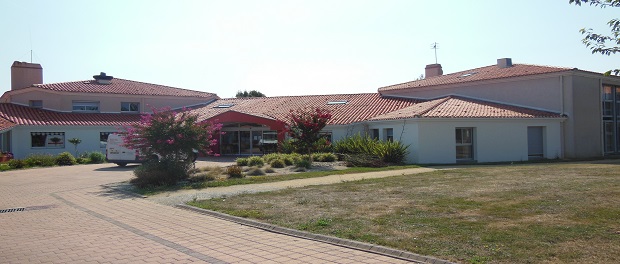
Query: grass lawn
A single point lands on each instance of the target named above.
(528, 213)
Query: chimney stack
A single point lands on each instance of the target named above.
(24, 74)
(504, 63)
(103, 78)
(433, 70)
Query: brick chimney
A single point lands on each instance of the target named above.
(433, 70)
(504, 63)
(24, 74)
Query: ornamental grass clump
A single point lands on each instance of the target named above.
(256, 161)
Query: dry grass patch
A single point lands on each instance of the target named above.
(560, 212)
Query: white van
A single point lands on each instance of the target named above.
(117, 153)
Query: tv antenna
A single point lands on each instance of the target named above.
(435, 46)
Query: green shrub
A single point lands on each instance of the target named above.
(40, 160)
(242, 161)
(160, 173)
(393, 152)
(329, 157)
(324, 157)
(96, 157)
(303, 163)
(255, 171)
(256, 161)
(286, 146)
(323, 146)
(277, 163)
(17, 164)
(234, 172)
(271, 156)
(81, 160)
(65, 158)
(387, 151)
(288, 160)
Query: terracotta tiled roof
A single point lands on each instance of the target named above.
(121, 86)
(22, 115)
(459, 107)
(358, 107)
(478, 74)
(6, 125)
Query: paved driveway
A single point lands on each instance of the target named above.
(66, 216)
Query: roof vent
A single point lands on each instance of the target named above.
(504, 63)
(103, 78)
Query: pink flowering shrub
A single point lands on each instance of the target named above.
(173, 136)
(304, 127)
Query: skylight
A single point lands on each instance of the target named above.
(468, 74)
(337, 102)
(223, 106)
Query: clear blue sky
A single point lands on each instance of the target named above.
(290, 47)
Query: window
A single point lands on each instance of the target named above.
(374, 134)
(130, 107)
(47, 139)
(326, 135)
(610, 111)
(388, 134)
(35, 103)
(85, 106)
(464, 143)
(103, 139)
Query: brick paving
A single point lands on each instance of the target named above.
(69, 216)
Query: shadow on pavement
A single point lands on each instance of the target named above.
(118, 168)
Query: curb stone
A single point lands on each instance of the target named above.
(381, 250)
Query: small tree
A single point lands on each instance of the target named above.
(173, 137)
(75, 142)
(304, 127)
(252, 93)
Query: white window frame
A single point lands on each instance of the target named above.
(388, 134)
(463, 142)
(85, 106)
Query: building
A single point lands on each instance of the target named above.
(40, 118)
(501, 112)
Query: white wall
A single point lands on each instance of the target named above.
(21, 139)
(495, 140)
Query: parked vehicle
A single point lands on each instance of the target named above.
(117, 153)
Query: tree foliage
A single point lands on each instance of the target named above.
(172, 136)
(252, 93)
(304, 127)
(600, 43)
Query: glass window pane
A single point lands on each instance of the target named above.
(608, 108)
(608, 137)
(464, 152)
(607, 93)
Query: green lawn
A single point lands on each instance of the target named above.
(528, 213)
